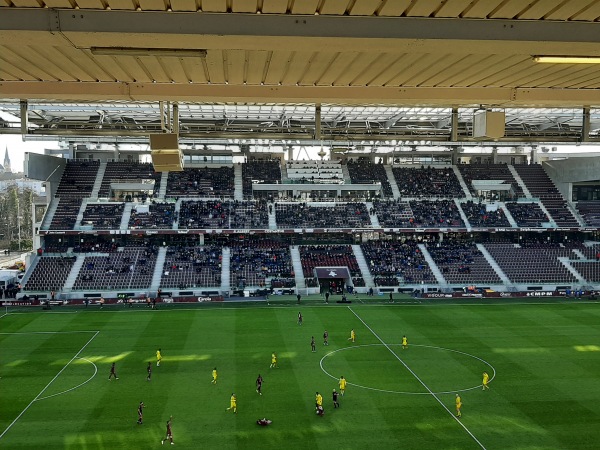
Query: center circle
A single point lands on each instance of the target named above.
(402, 363)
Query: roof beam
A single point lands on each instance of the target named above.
(356, 95)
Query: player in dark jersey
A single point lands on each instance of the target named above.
(140, 413)
(335, 399)
(312, 344)
(326, 338)
(149, 369)
(299, 318)
(113, 372)
(259, 382)
(169, 433)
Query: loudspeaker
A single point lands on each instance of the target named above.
(166, 155)
(489, 124)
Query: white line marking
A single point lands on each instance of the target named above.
(79, 385)
(407, 392)
(50, 332)
(419, 380)
(48, 385)
(5, 314)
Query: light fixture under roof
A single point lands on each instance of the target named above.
(567, 59)
(137, 51)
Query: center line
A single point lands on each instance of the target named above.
(418, 379)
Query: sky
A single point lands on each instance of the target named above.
(17, 149)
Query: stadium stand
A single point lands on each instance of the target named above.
(328, 256)
(66, 213)
(123, 172)
(532, 261)
(472, 172)
(254, 262)
(257, 171)
(527, 214)
(49, 274)
(427, 182)
(189, 266)
(205, 182)
(223, 214)
(315, 172)
(461, 262)
(159, 215)
(364, 171)
(393, 262)
(440, 214)
(77, 179)
(479, 216)
(303, 215)
(541, 186)
(103, 216)
(590, 211)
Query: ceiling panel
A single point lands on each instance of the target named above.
(274, 6)
(364, 7)
(194, 69)
(89, 4)
(304, 6)
(435, 69)
(539, 9)
(8, 63)
(317, 66)
(244, 6)
(70, 66)
(152, 5)
(15, 57)
(395, 65)
(183, 5)
(421, 63)
(394, 8)
(424, 8)
(453, 69)
(215, 65)
(235, 66)
(276, 67)
(297, 68)
(592, 13)
(26, 3)
(58, 4)
(256, 67)
(355, 69)
(487, 65)
(453, 8)
(173, 68)
(133, 67)
(214, 6)
(482, 9)
(112, 69)
(8, 76)
(568, 9)
(511, 9)
(374, 69)
(122, 4)
(337, 7)
(508, 65)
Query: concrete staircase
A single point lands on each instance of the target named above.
(162, 193)
(392, 180)
(284, 174)
(493, 263)
(550, 219)
(70, 282)
(461, 180)
(374, 219)
(511, 219)
(177, 210)
(98, 180)
(519, 181)
(579, 254)
(158, 269)
(576, 214)
(225, 270)
(272, 218)
(363, 266)
(346, 174)
(238, 186)
(79, 218)
(565, 262)
(49, 215)
(432, 265)
(463, 216)
(126, 215)
(297, 264)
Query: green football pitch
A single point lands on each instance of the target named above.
(543, 358)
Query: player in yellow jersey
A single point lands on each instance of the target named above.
(486, 379)
(352, 335)
(318, 400)
(342, 383)
(404, 342)
(233, 403)
(158, 357)
(273, 360)
(215, 376)
(458, 405)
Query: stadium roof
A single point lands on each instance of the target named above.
(273, 60)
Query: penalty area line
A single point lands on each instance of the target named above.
(418, 379)
(37, 397)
